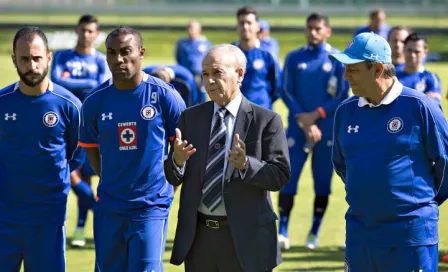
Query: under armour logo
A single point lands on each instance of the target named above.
(372, 56)
(108, 116)
(12, 116)
(350, 129)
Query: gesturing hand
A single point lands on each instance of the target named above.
(182, 151)
(237, 155)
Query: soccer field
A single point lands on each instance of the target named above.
(327, 257)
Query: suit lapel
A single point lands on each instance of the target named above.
(203, 134)
(243, 120)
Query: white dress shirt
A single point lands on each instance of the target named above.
(230, 119)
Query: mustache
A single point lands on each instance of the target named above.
(31, 73)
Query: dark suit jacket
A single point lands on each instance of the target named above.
(248, 204)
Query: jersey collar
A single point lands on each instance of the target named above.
(50, 86)
(397, 87)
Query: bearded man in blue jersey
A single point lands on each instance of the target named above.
(389, 149)
(39, 127)
(125, 126)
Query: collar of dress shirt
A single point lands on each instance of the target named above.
(232, 107)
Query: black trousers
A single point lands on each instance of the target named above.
(213, 250)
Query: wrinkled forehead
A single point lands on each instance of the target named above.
(218, 60)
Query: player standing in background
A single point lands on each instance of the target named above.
(80, 70)
(267, 42)
(313, 87)
(190, 52)
(396, 38)
(125, 125)
(389, 149)
(377, 24)
(414, 75)
(182, 80)
(260, 83)
(39, 127)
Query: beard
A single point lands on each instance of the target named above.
(32, 82)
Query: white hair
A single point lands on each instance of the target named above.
(237, 57)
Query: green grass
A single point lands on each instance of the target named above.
(154, 19)
(328, 257)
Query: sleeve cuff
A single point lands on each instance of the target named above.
(322, 113)
(244, 171)
(87, 145)
(179, 171)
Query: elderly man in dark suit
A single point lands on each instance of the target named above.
(228, 154)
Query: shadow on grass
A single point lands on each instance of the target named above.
(90, 245)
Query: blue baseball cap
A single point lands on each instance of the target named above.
(366, 46)
(264, 25)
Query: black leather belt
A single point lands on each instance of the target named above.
(213, 222)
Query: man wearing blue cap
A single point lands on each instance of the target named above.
(389, 148)
(266, 41)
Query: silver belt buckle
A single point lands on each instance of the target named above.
(212, 224)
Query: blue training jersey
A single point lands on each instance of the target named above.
(261, 81)
(130, 128)
(38, 140)
(311, 80)
(422, 81)
(392, 158)
(271, 45)
(189, 53)
(399, 67)
(79, 73)
(183, 82)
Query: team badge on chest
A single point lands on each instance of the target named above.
(148, 112)
(327, 67)
(420, 86)
(258, 64)
(394, 125)
(127, 135)
(50, 119)
(202, 48)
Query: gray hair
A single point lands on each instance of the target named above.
(237, 57)
(389, 69)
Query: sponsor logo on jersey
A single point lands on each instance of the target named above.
(50, 119)
(148, 112)
(11, 116)
(395, 125)
(127, 136)
(105, 116)
(353, 129)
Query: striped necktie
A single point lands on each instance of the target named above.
(212, 186)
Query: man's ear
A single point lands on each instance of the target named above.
(379, 69)
(142, 52)
(14, 60)
(240, 72)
